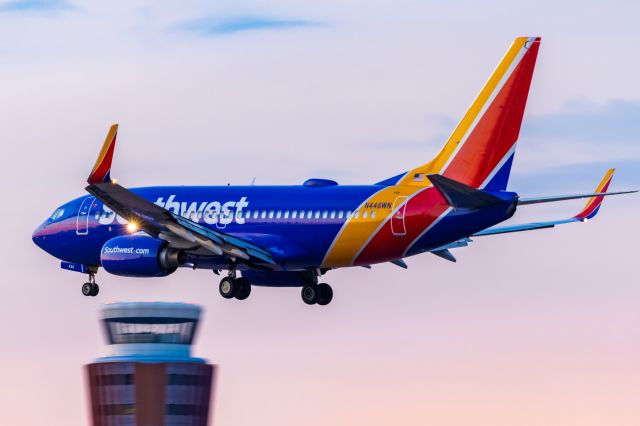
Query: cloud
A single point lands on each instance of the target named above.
(580, 134)
(616, 121)
(223, 26)
(34, 5)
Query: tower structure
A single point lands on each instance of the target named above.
(149, 377)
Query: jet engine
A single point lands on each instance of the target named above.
(140, 256)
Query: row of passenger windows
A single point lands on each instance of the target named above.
(307, 214)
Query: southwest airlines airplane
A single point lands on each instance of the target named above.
(292, 235)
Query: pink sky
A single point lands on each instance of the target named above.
(533, 329)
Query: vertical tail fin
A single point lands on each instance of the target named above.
(480, 150)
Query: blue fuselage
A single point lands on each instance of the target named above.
(297, 224)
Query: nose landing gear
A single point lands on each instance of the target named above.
(91, 288)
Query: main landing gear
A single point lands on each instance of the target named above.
(312, 292)
(231, 287)
(91, 288)
(320, 294)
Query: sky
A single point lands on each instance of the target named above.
(531, 329)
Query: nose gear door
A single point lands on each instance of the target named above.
(397, 220)
(82, 222)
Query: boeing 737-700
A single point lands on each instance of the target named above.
(293, 235)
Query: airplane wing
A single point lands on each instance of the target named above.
(601, 191)
(162, 223)
(588, 212)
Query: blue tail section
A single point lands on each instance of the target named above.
(500, 180)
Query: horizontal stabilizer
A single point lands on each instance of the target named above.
(462, 196)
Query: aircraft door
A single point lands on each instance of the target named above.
(397, 220)
(82, 222)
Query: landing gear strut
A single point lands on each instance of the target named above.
(231, 287)
(91, 288)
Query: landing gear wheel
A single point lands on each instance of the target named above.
(228, 287)
(325, 294)
(243, 289)
(87, 289)
(95, 290)
(310, 294)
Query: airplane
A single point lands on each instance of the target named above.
(291, 236)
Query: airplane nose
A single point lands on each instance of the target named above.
(38, 236)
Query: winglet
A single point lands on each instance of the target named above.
(593, 205)
(101, 171)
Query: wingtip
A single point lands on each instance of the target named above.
(101, 171)
(593, 204)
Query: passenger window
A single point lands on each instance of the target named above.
(278, 214)
(294, 214)
(364, 214)
(264, 214)
(349, 215)
(325, 214)
(340, 214)
(247, 215)
(301, 214)
(286, 214)
(373, 214)
(317, 214)
(356, 214)
(333, 215)
(271, 214)
(255, 214)
(309, 214)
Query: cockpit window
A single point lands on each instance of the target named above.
(57, 214)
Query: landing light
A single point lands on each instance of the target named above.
(132, 227)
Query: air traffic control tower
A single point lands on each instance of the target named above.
(150, 377)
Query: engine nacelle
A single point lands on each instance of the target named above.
(139, 256)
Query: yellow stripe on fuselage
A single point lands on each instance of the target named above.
(356, 232)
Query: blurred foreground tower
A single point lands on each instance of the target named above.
(150, 377)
